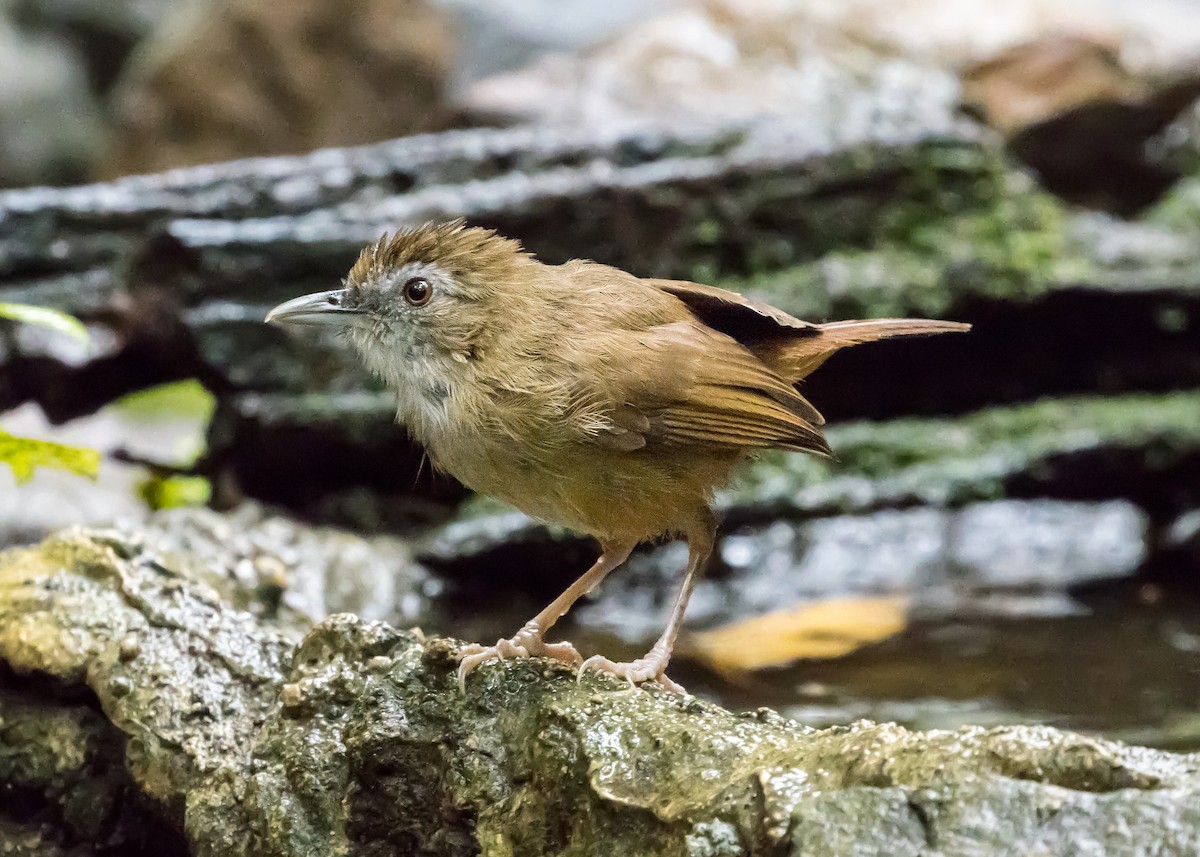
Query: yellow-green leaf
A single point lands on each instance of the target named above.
(46, 317)
(187, 398)
(24, 455)
(172, 492)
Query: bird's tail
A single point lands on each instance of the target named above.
(799, 357)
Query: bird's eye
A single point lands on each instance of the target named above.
(417, 291)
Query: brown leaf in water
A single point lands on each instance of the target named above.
(822, 629)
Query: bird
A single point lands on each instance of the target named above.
(583, 395)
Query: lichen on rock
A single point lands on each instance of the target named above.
(359, 739)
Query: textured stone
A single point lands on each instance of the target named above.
(235, 78)
(359, 739)
(743, 58)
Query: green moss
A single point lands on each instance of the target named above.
(967, 458)
(1038, 428)
(1179, 209)
(360, 740)
(992, 233)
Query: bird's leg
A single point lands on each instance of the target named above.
(653, 665)
(530, 640)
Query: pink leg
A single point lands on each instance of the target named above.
(701, 539)
(530, 640)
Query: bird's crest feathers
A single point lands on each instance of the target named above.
(459, 249)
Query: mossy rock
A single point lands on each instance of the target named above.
(359, 739)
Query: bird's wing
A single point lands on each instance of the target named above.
(791, 347)
(745, 319)
(684, 383)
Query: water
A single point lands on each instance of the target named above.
(1127, 668)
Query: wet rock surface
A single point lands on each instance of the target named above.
(1032, 488)
(290, 573)
(1001, 558)
(183, 285)
(791, 213)
(359, 738)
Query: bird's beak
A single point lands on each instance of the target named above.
(323, 309)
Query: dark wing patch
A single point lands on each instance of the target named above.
(745, 319)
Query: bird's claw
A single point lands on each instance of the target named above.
(526, 643)
(653, 666)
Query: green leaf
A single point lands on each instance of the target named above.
(46, 317)
(186, 398)
(25, 454)
(172, 492)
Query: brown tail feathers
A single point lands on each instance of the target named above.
(797, 358)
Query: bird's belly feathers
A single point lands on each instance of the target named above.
(606, 493)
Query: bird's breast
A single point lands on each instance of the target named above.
(607, 493)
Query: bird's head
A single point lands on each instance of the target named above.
(421, 305)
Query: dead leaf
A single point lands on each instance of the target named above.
(1038, 80)
(822, 629)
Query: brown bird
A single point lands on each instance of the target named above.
(582, 395)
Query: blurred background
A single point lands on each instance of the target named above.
(1011, 531)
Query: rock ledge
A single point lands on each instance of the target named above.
(141, 713)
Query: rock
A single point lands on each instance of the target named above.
(907, 212)
(295, 574)
(734, 58)
(247, 77)
(1081, 120)
(235, 741)
(1178, 555)
(730, 60)
(358, 468)
(500, 36)
(1140, 448)
(1185, 532)
(1003, 558)
(71, 757)
(1081, 92)
(1038, 80)
(227, 691)
(207, 254)
(51, 126)
(182, 288)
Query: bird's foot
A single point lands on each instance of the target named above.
(529, 642)
(653, 666)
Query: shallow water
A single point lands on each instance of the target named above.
(1122, 669)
